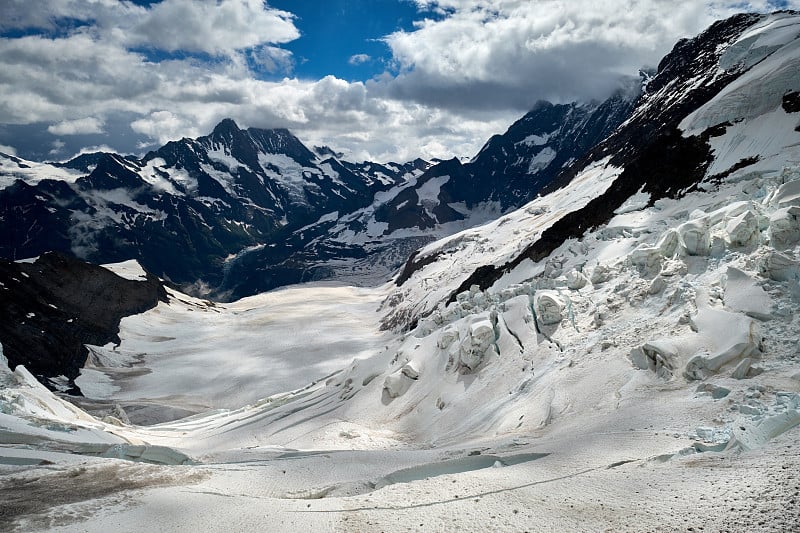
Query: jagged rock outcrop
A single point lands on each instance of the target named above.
(513, 167)
(55, 305)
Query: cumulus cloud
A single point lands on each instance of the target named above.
(359, 59)
(16, 14)
(77, 126)
(47, 79)
(165, 126)
(501, 53)
(455, 81)
(8, 150)
(210, 26)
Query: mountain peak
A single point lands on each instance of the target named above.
(226, 125)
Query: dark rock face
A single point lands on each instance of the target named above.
(408, 210)
(791, 102)
(512, 168)
(34, 224)
(111, 172)
(53, 307)
(83, 162)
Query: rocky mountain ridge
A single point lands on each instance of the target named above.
(367, 245)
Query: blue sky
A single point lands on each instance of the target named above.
(377, 79)
(344, 37)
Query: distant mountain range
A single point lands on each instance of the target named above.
(242, 211)
(369, 244)
(184, 209)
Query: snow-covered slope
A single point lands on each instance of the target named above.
(195, 355)
(639, 372)
(760, 122)
(656, 154)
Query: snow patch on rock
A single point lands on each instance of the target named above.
(130, 269)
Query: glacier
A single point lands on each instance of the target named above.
(642, 374)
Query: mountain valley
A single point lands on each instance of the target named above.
(591, 325)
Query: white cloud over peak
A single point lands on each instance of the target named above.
(8, 150)
(93, 149)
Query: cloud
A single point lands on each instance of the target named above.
(273, 59)
(92, 149)
(77, 126)
(58, 146)
(177, 67)
(34, 13)
(62, 81)
(359, 59)
(211, 26)
(208, 26)
(164, 126)
(502, 53)
(8, 150)
(43, 79)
